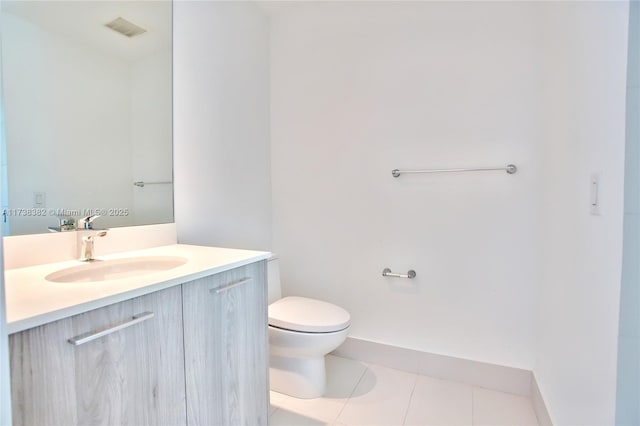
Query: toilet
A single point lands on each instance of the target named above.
(301, 332)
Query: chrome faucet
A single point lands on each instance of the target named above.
(64, 224)
(87, 252)
(87, 246)
(87, 222)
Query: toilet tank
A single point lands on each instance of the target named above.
(273, 279)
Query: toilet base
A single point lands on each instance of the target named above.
(300, 377)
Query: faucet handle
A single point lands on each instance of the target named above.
(87, 222)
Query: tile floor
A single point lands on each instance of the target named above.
(367, 394)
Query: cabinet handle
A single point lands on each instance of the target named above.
(230, 286)
(93, 335)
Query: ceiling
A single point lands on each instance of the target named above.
(84, 22)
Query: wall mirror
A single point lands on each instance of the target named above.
(87, 99)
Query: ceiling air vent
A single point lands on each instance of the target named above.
(125, 27)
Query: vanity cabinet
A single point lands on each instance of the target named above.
(194, 354)
(226, 348)
(132, 375)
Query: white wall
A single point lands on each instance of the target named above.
(5, 391)
(584, 75)
(361, 88)
(221, 124)
(151, 137)
(53, 83)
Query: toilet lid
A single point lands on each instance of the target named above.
(308, 315)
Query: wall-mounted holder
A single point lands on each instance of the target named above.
(386, 272)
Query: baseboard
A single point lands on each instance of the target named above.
(539, 406)
(489, 376)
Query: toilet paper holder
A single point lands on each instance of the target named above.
(386, 272)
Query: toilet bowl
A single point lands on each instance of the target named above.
(301, 332)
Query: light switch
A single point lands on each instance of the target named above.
(39, 199)
(594, 199)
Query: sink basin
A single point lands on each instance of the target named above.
(115, 269)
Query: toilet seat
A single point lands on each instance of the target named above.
(308, 315)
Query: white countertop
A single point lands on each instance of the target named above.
(33, 301)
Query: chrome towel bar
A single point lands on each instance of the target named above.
(141, 184)
(510, 169)
(386, 272)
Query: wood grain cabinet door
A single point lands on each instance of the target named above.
(226, 348)
(125, 368)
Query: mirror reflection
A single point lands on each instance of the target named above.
(88, 115)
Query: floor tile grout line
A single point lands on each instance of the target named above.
(533, 404)
(352, 392)
(413, 390)
(301, 410)
(473, 405)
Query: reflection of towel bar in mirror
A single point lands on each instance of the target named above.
(141, 184)
(510, 168)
